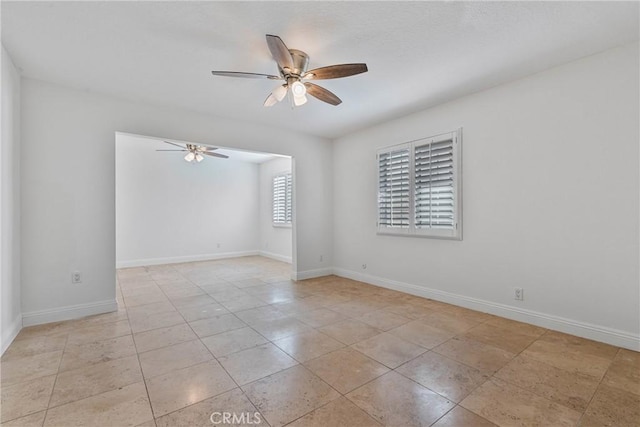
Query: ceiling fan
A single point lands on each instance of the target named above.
(195, 152)
(292, 68)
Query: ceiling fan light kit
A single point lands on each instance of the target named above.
(292, 68)
(195, 152)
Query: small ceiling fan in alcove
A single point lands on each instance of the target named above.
(292, 68)
(195, 152)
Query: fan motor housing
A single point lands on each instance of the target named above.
(300, 63)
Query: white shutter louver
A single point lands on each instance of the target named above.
(434, 192)
(393, 189)
(282, 203)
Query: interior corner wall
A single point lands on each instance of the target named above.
(550, 202)
(68, 192)
(10, 314)
(275, 242)
(169, 210)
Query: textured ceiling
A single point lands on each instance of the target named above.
(419, 53)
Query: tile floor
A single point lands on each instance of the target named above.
(237, 336)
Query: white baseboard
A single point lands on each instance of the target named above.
(275, 256)
(310, 274)
(557, 323)
(68, 312)
(179, 259)
(10, 333)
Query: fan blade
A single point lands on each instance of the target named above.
(270, 101)
(171, 143)
(222, 156)
(245, 75)
(279, 51)
(211, 148)
(172, 150)
(322, 94)
(336, 71)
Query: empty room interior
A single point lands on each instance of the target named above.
(320, 213)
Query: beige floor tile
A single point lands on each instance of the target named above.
(200, 414)
(624, 372)
(163, 337)
(33, 420)
(449, 322)
(26, 397)
(571, 389)
(383, 320)
(501, 338)
(356, 308)
(298, 306)
(281, 328)
(145, 298)
(346, 369)
(146, 289)
(446, 377)
(349, 331)
(308, 345)
(289, 394)
(394, 400)
(95, 379)
(460, 417)
(338, 412)
(148, 322)
(184, 293)
(388, 349)
(126, 406)
(257, 315)
(167, 359)
(517, 327)
(159, 307)
(483, 357)
(193, 301)
(582, 345)
(508, 405)
(215, 325)
(418, 332)
(233, 341)
(612, 407)
(99, 332)
(35, 345)
(257, 362)
(183, 387)
(411, 311)
(564, 357)
(81, 355)
(30, 367)
(320, 317)
(193, 313)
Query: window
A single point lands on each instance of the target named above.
(282, 211)
(419, 187)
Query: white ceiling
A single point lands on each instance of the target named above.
(419, 53)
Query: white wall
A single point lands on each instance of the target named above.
(169, 210)
(550, 196)
(10, 315)
(68, 194)
(275, 241)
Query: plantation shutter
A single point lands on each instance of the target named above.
(434, 185)
(282, 199)
(393, 189)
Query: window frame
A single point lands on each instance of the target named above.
(288, 202)
(454, 233)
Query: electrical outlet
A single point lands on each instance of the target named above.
(364, 266)
(76, 277)
(518, 294)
